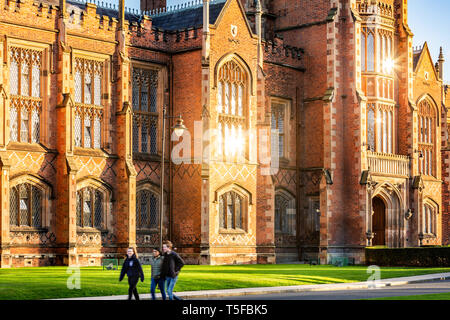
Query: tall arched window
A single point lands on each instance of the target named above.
(88, 102)
(26, 206)
(232, 210)
(25, 72)
(429, 219)
(367, 50)
(147, 210)
(285, 214)
(427, 137)
(90, 208)
(232, 99)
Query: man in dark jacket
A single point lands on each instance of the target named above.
(170, 269)
(133, 269)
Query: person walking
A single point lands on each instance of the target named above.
(133, 269)
(171, 267)
(156, 262)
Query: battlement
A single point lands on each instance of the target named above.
(276, 49)
(383, 8)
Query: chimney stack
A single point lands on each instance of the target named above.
(149, 5)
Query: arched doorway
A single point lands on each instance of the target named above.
(379, 222)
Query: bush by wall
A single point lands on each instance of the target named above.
(409, 257)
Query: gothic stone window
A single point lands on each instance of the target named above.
(232, 111)
(380, 127)
(88, 103)
(25, 76)
(367, 50)
(147, 210)
(427, 137)
(26, 206)
(231, 211)
(429, 219)
(280, 109)
(285, 213)
(90, 208)
(145, 110)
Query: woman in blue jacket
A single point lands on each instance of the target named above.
(132, 268)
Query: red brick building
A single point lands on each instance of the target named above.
(314, 130)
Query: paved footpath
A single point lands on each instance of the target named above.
(216, 294)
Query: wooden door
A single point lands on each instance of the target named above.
(379, 222)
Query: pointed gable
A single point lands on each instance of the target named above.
(243, 17)
(424, 66)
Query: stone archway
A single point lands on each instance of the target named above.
(388, 196)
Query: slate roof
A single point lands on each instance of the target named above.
(187, 17)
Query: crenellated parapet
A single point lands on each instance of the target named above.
(279, 52)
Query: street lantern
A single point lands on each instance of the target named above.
(179, 127)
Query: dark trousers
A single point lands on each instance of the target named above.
(132, 290)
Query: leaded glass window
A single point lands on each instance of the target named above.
(26, 206)
(427, 140)
(90, 208)
(88, 80)
(145, 110)
(231, 102)
(285, 214)
(231, 210)
(380, 128)
(278, 128)
(25, 92)
(147, 210)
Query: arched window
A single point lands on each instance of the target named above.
(429, 219)
(88, 101)
(147, 210)
(427, 137)
(367, 50)
(285, 214)
(25, 72)
(232, 111)
(231, 210)
(26, 206)
(90, 212)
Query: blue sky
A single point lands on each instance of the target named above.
(428, 19)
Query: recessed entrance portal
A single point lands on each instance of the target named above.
(379, 222)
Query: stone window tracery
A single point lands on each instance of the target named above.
(90, 208)
(231, 210)
(427, 139)
(368, 50)
(25, 91)
(285, 214)
(26, 206)
(429, 219)
(88, 104)
(231, 109)
(145, 110)
(147, 210)
(279, 128)
(380, 128)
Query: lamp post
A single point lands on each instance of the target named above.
(179, 129)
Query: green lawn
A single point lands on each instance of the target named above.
(51, 282)
(436, 296)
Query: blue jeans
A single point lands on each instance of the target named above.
(160, 283)
(170, 282)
